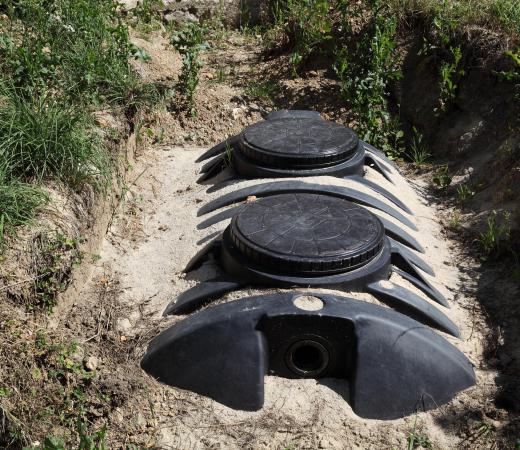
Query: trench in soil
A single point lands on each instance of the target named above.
(154, 234)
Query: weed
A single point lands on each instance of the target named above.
(442, 177)
(264, 90)
(189, 42)
(18, 203)
(495, 234)
(78, 50)
(58, 254)
(308, 24)
(455, 219)
(418, 152)
(228, 156)
(449, 73)
(364, 77)
(415, 440)
(146, 17)
(222, 75)
(464, 192)
(512, 75)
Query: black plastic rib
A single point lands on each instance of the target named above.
(406, 301)
(407, 256)
(423, 285)
(377, 188)
(400, 235)
(209, 165)
(200, 294)
(219, 148)
(219, 217)
(292, 186)
(371, 160)
(382, 157)
(212, 171)
(212, 246)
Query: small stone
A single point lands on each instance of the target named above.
(128, 5)
(179, 17)
(251, 198)
(123, 325)
(91, 363)
(210, 76)
(235, 113)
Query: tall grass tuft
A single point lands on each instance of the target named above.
(18, 202)
(41, 139)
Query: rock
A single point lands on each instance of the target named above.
(128, 5)
(123, 325)
(91, 363)
(179, 17)
(236, 113)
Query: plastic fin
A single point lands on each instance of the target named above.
(379, 154)
(286, 187)
(223, 183)
(370, 160)
(212, 246)
(423, 285)
(219, 148)
(209, 165)
(213, 171)
(407, 302)
(200, 294)
(400, 235)
(385, 193)
(407, 256)
(219, 217)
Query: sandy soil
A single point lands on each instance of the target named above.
(138, 270)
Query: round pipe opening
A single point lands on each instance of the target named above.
(307, 358)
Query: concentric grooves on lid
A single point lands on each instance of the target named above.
(292, 143)
(306, 233)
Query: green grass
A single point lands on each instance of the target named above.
(77, 49)
(500, 15)
(264, 90)
(42, 139)
(19, 203)
(60, 60)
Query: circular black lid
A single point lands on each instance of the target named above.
(306, 233)
(292, 143)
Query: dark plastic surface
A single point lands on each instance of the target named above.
(297, 186)
(298, 143)
(293, 114)
(306, 233)
(411, 304)
(394, 366)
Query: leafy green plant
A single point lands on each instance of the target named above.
(416, 440)
(495, 233)
(442, 177)
(189, 42)
(78, 50)
(58, 254)
(464, 192)
(365, 75)
(418, 152)
(450, 71)
(264, 90)
(308, 23)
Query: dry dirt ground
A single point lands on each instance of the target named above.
(138, 270)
